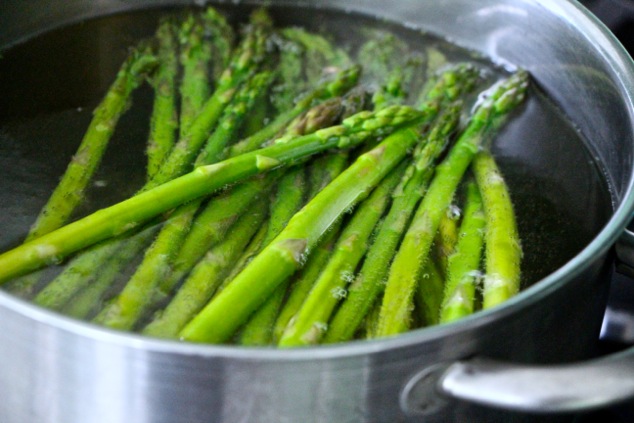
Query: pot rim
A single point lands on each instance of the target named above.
(617, 58)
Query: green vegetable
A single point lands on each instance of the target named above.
(396, 307)
(259, 279)
(464, 263)
(503, 251)
(206, 276)
(164, 119)
(131, 213)
(308, 325)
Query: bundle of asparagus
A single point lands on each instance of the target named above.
(362, 172)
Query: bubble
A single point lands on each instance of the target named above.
(339, 293)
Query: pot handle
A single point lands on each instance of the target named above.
(566, 388)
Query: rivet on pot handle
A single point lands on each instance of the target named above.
(528, 388)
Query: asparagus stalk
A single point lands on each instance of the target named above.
(301, 286)
(464, 263)
(368, 284)
(503, 251)
(164, 120)
(194, 91)
(254, 247)
(429, 294)
(136, 296)
(204, 180)
(79, 273)
(259, 330)
(213, 221)
(244, 64)
(394, 317)
(206, 276)
(446, 237)
(309, 323)
(289, 199)
(268, 322)
(231, 307)
(195, 57)
(84, 298)
(211, 225)
(69, 192)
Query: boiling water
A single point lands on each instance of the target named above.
(50, 85)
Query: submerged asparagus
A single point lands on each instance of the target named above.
(128, 214)
(69, 192)
(503, 250)
(308, 325)
(394, 317)
(206, 276)
(464, 263)
(242, 296)
(164, 119)
(368, 284)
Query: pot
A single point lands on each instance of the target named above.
(516, 362)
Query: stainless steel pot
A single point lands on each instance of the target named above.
(54, 369)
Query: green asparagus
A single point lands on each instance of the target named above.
(308, 324)
(394, 317)
(242, 296)
(206, 276)
(164, 119)
(464, 264)
(503, 251)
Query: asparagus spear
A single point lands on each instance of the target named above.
(405, 269)
(227, 311)
(307, 326)
(79, 274)
(206, 276)
(290, 197)
(195, 88)
(136, 296)
(216, 218)
(244, 63)
(204, 180)
(164, 120)
(503, 250)
(464, 264)
(446, 237)
(267, 323)
(367, 286)
(69, 192)
(302, 284)
(86, 296)
(211, 225)
(428, 295)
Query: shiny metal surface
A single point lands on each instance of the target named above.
(58, 370)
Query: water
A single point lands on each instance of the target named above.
(560, 198)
